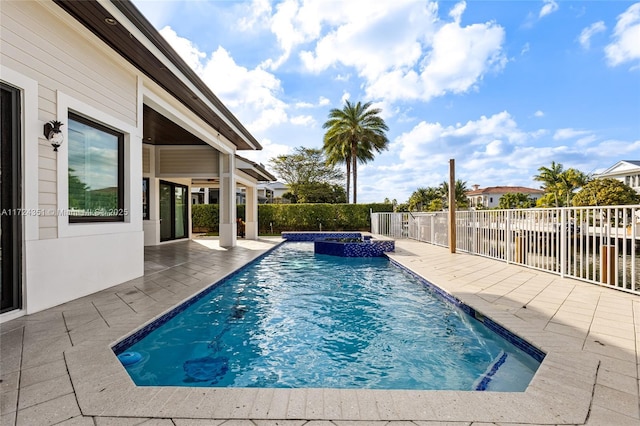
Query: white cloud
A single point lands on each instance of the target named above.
(269, 150)
(322, 101)
(548, 8)
(428, 142)
(590, 31)
(252, 94)
(620, 148)
(303, 120)
(538, 113)
(525, 49)
(187, 50)
(421, 58)
(494, 148)
(569, 133)
(459, 58)
(457, 11)
(626, 35)
(301, 105)
(257, 14)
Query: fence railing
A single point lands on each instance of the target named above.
(600, 245)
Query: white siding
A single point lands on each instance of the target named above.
(62, 56)
(146, 159)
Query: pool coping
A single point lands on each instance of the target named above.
(560, 392)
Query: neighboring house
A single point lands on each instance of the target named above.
(272, 192)
(626, 171)
(490, 197)
(139, 128)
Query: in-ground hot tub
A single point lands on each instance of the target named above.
(344, 244)
(353, 247)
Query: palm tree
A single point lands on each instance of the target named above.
(561, 183)
(550, 178)
(353, 134)
(570, 181)
(460, 193)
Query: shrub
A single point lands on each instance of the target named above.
(295, 217)
(309, 217)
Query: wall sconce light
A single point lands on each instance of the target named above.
(53, 133)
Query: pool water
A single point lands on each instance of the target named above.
(295, 319)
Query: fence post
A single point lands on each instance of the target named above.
(520, 249)
(507, 237)
(452, 206)
(608, 264)
(563, 242)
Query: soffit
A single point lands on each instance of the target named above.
(159, 130)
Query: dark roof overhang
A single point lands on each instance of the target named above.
(202, 101)
(253, 169)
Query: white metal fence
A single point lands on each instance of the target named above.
(600, 245)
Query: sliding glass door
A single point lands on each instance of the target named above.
(174, 210)
(10, 191)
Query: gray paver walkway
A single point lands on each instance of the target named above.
(57, 368)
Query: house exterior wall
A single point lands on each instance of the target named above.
(60, 67)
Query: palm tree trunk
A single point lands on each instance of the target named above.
(355, 180)
(348, 163)
(354, 169)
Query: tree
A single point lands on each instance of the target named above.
(353, 134)
(560, 183)
(516, 200)
(460, 194)
(304, 167)
(550, 178)
(321, 193)
(606, 192)
(421, 198)
(570, 181)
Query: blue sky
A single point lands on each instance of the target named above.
(503, 87)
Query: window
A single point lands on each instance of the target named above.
(96, 172)
(145, 198)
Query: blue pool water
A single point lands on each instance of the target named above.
(298, 319)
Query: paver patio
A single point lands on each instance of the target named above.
(57, 367)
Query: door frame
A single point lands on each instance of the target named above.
(12, 211)
(173, 186)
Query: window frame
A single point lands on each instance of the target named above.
(120, 216)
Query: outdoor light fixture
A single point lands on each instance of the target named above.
(53, 133)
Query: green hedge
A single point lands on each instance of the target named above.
(295, 217)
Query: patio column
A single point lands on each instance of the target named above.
(227, 201)
(251, 213)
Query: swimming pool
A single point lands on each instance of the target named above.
(297, 319)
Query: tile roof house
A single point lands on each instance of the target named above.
(138, 128)
(626, 171)
(490, 197)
